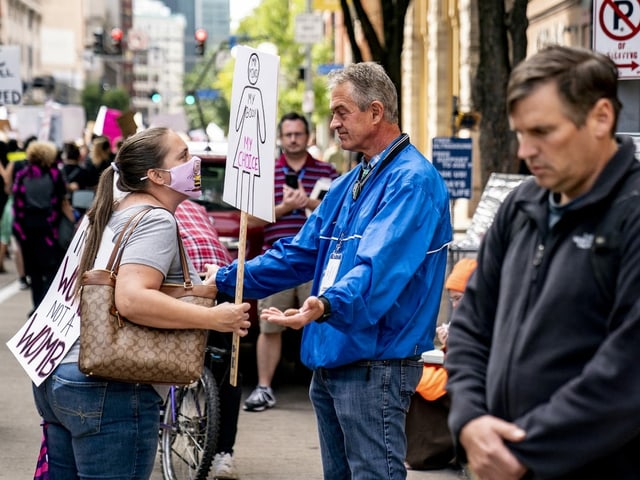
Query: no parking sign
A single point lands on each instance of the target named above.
(616, 33)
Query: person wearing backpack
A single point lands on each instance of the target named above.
(38, 194)
(542, 355)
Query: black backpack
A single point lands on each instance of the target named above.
(38, 195)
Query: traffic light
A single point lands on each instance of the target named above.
(190, 98)
(201, 41)
(98, 42)
(116, 41)
(467, 120)
(155, 96)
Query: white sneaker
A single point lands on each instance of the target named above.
(224, 467)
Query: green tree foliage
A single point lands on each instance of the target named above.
(273, 21)
(212, 110)
(93, 97)
(117, 98)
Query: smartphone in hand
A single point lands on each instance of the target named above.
(291, 179)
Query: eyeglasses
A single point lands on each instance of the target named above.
(455, 298)
(294, 134)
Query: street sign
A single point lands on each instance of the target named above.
(208, 94)
(331, 5)
(452, 158)
(616, 33)
(309, 28)
(325, 68)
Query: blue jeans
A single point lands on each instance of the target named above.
(361, 410)
(98, 429)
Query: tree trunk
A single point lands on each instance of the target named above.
(497, 143)
(388, 52)
(351, 32)
(518, 24)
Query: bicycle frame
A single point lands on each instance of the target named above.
(189, 425)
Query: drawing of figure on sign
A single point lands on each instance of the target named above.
(251, 127)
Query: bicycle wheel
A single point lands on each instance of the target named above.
(189, 432)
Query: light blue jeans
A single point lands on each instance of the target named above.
(98, 429)
(361, 410)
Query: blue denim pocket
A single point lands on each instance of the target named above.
(78, 401)
(411, 371)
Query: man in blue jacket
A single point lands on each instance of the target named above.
(376, 249)
(543, 349)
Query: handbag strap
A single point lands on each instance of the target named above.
(116, 254)
(183, 261)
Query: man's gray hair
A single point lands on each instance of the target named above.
(369, 82)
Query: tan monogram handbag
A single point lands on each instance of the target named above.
(114, 348)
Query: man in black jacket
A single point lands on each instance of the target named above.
(543, 349)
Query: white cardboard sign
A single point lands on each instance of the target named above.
(249, 177)
(50, 332)
(10, 79)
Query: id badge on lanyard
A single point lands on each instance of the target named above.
(331, 270)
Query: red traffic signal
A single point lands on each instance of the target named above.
(116, 40)
(201, 35)
(201, 41)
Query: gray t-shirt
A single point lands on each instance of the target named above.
(153, 243)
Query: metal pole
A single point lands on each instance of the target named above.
(200, 114)
(209, 64)
(454, 115)
(198, 83)
(308, 84)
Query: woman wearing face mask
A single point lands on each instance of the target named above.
(107, 429)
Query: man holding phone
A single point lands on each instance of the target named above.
(296, 173)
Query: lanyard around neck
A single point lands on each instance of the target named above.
(300, 173)
(387, 155)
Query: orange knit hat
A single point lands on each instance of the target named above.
(460, 274)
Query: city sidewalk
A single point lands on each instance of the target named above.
(20, 432)
(277, 444)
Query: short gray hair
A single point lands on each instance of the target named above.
(369, 83)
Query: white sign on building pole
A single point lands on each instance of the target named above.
(616, 33)
(249, 173)
(309, 28)
(10, 80)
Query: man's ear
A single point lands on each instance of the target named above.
(377, 111)
(602, 118)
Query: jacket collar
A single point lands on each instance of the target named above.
(281, 161)
(531, 197)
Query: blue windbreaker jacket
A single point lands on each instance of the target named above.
(393, 243)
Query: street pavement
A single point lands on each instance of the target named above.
(277, 444)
